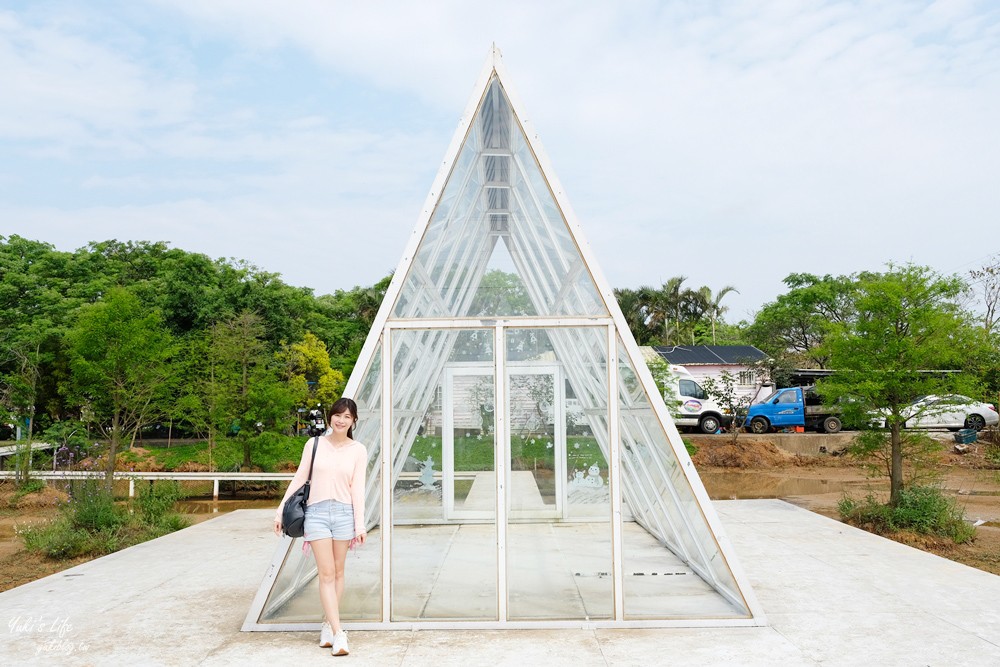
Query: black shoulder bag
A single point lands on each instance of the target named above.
(293, 514)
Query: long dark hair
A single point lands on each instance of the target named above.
(346, 405)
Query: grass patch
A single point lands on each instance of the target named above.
(474, 454)
(93, 524)
(922, 509)
(690, 447)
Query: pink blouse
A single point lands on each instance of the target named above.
(339, 474)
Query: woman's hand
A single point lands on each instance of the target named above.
(361, 537)
(277, 527)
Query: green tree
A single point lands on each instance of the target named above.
(32, 317)
(674, 315)
(121, 371)
(308, 371)
(635, 308)
(906, 324)
(797, 323)
(342, 321)
(244, 386)
(714, 308)
(501, 293)
(723, 391)
(987, 282)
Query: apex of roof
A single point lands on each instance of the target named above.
(693, 355)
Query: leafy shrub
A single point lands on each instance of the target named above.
(156, 500)
(271, 450)
(92, 524)
(923, 509)
(93, 508)
(57, 539)
(992, 454)
(168, 523)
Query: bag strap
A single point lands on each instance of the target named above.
(312, 460)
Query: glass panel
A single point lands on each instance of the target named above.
(294, 597)
(672, 562)
(497, 213)
(444, 488)
(559, 532)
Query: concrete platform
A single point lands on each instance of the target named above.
(834, 595)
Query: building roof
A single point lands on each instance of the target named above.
(694, 355)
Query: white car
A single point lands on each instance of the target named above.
(951, 411)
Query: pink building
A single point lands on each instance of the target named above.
(709, 361)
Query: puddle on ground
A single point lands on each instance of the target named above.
(209, 506)
(743, 485)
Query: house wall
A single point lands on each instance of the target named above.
(702, 371)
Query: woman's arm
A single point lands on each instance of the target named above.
(358, 490)
(301, 474)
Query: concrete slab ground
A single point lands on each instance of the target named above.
(834, 595)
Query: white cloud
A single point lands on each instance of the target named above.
(784, 136)
(65, 91)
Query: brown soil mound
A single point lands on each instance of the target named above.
(932, 543)
(192, 466)
(129, 460)
(744, 455)
(47, 497)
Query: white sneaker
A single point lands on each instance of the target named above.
(339, 644)
(326, 636)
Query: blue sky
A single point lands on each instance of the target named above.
(730, 142)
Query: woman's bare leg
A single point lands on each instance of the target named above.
(329, 590)
(340, 549)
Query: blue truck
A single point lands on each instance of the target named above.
(792, 407)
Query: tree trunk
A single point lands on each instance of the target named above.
(211, 444)
(896, 467)
(31, 449)
(116, 435)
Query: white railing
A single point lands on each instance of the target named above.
(132, 476)
(8, 450)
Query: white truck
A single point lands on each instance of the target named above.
(690, 405)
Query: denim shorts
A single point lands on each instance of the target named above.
(329, 518)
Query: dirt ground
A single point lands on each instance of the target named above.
(761, 470)
(751, 470)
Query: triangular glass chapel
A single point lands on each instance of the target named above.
(523, 469)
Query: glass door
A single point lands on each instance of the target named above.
(468, 443)
(537, 464)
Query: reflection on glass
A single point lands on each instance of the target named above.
(294, 598)
(497, 244)
(444, 488)
(559, 532)
(672, 562)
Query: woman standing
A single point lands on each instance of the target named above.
(335, 515)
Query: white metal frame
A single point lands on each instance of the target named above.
(529, 265)
(448, 440)
(558, 438)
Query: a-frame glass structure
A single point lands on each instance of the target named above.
(523, 469)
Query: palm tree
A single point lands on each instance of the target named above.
(634, 308)
(714, 308)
